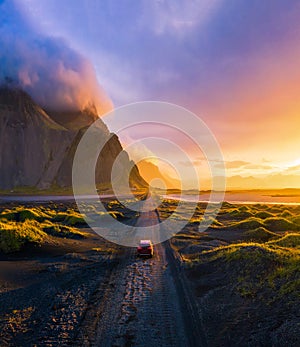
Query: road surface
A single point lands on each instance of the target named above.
(144, 303)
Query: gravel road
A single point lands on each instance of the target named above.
(143, 303)
(89, 300)
(140, 307)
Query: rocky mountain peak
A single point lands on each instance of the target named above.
(37, 147)
(18, 108)
(75, 119)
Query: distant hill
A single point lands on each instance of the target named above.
(150, 171)
(268, 182)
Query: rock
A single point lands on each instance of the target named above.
(37, 147)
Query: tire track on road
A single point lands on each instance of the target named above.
(141, 303)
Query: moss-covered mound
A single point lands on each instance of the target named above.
(260, 234)
(15, 235)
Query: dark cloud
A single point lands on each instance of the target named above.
(55, 75)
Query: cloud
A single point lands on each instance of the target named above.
(258, 167)
(234, 164)
(293, 169)
(243, 165)
(55, 75)
(191, 163)
(177, 18)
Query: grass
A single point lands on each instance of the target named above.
(260, 234)
(59, 230)
(291, 240)
(37, 223)
(280, 224)
(28, 190)
(261, 253)
(53, 190)
(263, 215)
(70, 218)
(13, 235)
(21, 225)
(260, 267)
(106, 250)
(246, 225)
(249, 251)
(20, 215)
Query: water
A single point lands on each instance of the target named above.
(279, 197)
(248, 197)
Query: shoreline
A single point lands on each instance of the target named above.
(186, 198)
(236, 202)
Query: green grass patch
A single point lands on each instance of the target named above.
(21, 214)
(296, 220)
(65, 231)
(260, 268)
(13, 236)
(291, 240)
(20, 226)
(239, 214)
(280, 224)
(70, 218)
(263, 215)
(260, 234)
(286, 214)
(246, 225)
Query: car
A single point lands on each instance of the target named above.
(145, 248)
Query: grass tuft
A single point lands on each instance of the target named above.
(280, 224)
(14, 236)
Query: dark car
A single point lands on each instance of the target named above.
(145, 248)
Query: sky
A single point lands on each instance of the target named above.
(234, 63)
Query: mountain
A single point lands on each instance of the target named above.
(271, 181)
(150, 171)
(75, 120)
(37, 146)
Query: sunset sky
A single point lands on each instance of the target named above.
(233, 63)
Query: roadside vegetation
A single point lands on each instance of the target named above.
(254, 234)
(39, 224)
(245, 269)
(20, 226)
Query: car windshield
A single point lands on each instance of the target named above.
(145, 243)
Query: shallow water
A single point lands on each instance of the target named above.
(251, 197)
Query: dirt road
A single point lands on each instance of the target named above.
(140, 307)
(145, 302)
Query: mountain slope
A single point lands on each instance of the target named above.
(150, 172)
(37, 151)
